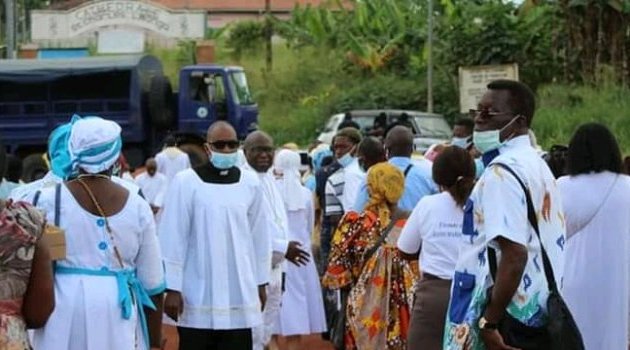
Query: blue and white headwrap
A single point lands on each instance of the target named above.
(60, 162)
(94, 145)
(318, 154)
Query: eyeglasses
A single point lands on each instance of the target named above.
(223, 144)
(262, 149)
(473, 113)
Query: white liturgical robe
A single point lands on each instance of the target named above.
(171, 161)
(217, 249)
(153, 187)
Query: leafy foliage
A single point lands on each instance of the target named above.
(245, 38)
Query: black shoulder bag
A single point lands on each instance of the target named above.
(338, 322)
(561, 331)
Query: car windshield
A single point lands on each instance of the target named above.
(433, 127)
(240, 89)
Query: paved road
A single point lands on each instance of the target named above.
(313, 342)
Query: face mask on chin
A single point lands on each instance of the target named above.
(346, 159)
(461, 142)
(487, 141)
(223, 161)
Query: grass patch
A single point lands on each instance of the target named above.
(562, 108)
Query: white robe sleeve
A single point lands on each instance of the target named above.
(260, 224)
(175, 230)
(149, 259)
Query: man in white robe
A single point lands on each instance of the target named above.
(259, 152)
(153, 185)
(214, 234)
(171, 160)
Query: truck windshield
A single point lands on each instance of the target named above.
(240, 89)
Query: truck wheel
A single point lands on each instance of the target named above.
(161, 102)
(34, 168)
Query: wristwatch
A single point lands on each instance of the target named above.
(484, 324)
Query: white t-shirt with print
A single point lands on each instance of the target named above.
(436, 225)
(497, 208)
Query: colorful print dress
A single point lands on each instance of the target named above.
(380, 300)
(21, 226)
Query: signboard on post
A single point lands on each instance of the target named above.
(473, 82)
(95, 15)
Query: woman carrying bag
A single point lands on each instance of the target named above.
(364, 262)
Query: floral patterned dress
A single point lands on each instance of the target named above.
(380, 300)
(20, 229)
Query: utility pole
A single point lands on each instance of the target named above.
(9, 10)
(268, 36)
(430, 57)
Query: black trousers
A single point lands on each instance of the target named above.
(210, 339)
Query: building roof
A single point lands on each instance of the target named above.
(235, 6)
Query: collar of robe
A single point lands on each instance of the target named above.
(210, 174)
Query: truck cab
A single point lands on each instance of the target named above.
(208, 93)
(38, 95)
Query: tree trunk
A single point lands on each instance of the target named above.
(600, 42)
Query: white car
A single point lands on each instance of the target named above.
(428, 128)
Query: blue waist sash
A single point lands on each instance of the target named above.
(130, 290)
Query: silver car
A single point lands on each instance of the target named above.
(428, 128)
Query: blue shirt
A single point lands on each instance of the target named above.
(418, 183)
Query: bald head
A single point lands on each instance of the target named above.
(371, 151)
(399, 142)
(259, 149)
(221, 131)
(151, 166)
(256, 138)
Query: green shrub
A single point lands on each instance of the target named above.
(562, 108)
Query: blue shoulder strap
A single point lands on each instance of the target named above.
(57, 203)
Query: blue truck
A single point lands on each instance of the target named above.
(38, 95)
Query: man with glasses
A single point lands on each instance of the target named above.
(259, 152)
(216, 244)
(502, 249)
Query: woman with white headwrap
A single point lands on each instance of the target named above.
(108, 289)
(302, 287)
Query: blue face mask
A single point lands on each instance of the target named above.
(346, 159)
(479, 168)
(223, 160)
(461, 142)
(486, 141)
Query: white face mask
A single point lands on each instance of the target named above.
(486, 141)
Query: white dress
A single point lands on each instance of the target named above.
(597, 271)
(302, 310)
(88, 314)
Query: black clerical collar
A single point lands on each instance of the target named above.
(211, 174)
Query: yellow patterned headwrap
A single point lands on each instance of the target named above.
(386, 184)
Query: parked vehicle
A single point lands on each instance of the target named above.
(38, 95)
(428, 128)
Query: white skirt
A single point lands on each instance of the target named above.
(303, 293)
(87, 316)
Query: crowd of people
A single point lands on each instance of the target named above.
(375, 246)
